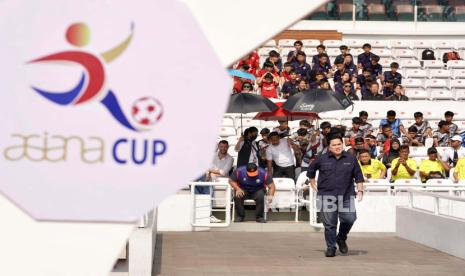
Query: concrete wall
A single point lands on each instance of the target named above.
(442, 233)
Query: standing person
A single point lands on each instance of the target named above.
(262, 146)
(335, 192)
(250, 182)
(280, 156)
(247, 148)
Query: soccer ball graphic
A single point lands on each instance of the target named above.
(147, 111)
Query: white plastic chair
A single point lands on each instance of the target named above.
(383, 53)
(410, 63)
(433, 64)
(417, 94)
(227, 122)
(452, 64)
(380, 43)
(412, 83)
(458, 73)
(443, 44)
(405, 54)
(286, 42)
(227, 131)
(416, 73)
(332, 43)
(442, 95)
(439, 74)
(436, 83)
(354, 43)
(401, 44)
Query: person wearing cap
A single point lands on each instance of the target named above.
(433, 167)
(441, 136)
(403, 167)
(251, 182)
(371, 168)
(455, 152)
(448, 117)
(335, 189)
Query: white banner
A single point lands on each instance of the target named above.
(107, 107)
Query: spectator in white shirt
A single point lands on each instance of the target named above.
(280, 156)
(454, 152)
(222, 162)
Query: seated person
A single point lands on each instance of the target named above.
(365, 125)
(398, 94)
(283, 129)
(357, 145)
(371, 168)
(262, 146)
(268, 85)
(340, 70)
(321, 49)
(364, 59)
(323, 65)
(424, 129)
(286, 73)
(275, 59)
(344, 51)
(395, 123)
(300, 65)
(290, 86)
(411, 138)
(459, 171)
(374, 93)
(392, 153)
(252, 62)
(441, 136)
(448, 117)
(388, 88)
(301, 87)
(250, 182)
(403, 167)
(292, 55)
(386, 134)
(350, 65)
(316, 78)
(280, 156)
(393, 76)
(432, 167)
(324, 84)
(353, 132)
(363, 80)
(268, 67)
(376, 68)
(370, 140)
(348, 91)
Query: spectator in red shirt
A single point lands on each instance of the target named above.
(286, 73)
(252, 60)
(292, 55)
(268, 85)
(268, 67)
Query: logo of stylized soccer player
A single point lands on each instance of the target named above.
(145, 111)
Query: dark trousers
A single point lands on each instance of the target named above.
(330, 210)
(288, 172)
(258, 196)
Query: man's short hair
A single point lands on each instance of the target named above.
(359, 140)
(223, 142)
(302, 80)
(325, 125)
(343, 47)
(302, 132)
(443, 123)
(338, 61)
(268, 76)
(412, 129)
(335, 136)
(403, 147)
(449, 114)
(247, 84)
(287, 64)
(366, 45)
(394, 65)
(322, 55)
(305, 123)
(363, 113)
(374, 83)
(366, 69)
(253, 129)
(391, 113)
(357, 120)
(321, 46)
(298, 42)
(272, 134)
(273, 53)
(267, 64)
(362, 151)
(386, 126)
(301, 53)
(432, 150)
(292, 72)
(417, 114)
(265, 131)
(375, 58)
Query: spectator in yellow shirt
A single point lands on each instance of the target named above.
(459, 171)
(432, 167)
(403, 167)
(371, 168)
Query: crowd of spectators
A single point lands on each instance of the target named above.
(366, 80)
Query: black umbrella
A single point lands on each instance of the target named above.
(248, 102)
(317, 100)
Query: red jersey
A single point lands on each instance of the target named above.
(286, 75)
(268, 90)
(263, 72)
(252, 61)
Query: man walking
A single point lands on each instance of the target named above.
(335, 192)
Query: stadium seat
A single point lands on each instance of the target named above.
(404, 54)
(270, 43)
(232, 151)
(406, 182)
(442, 95)
(403, 114)
(443, 44)
(354, 43)
(286, 42)
(385, 62)
(451, 64)
(247, 122)
(410, 83)
(310, 52)
(458, 83)
(436, 83)
(460, 124)
(333, 52)
(332, 43)
(416, 73)
(227, 122)
(417, 94)
(264, 52)
(432, 115)
(408, 123)
(285, 196)
(381, 43)
(376, 12)
(232, 140)
(405, 12)
(310, 43)
(459, 94)
(383, 52)
(401, 44)
(410, 63)
(458, 73)
(433, 64)
(423, 44)
(270, 124)
(439, 74)
(227, 131)
(434, 124)
(439, 182)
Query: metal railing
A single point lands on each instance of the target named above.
(227, 204)
(436, 197)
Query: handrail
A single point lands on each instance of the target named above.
(441, 196)
(436, 197)
(226, 199)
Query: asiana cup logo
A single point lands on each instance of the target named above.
(91, 89)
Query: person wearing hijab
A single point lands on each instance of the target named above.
(392, 154)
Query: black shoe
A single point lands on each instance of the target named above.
(239, 219)
(330, 252)
(342, 246)
(260, 220)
